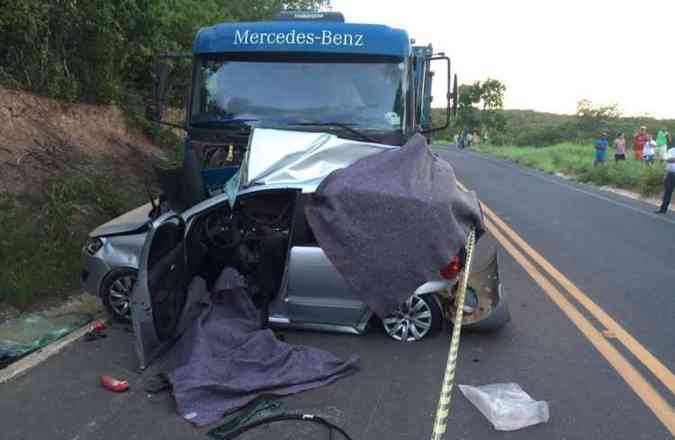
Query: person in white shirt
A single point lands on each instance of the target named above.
(649, 151)
(669, 181)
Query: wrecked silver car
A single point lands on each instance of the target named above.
(260, 226)
(110, 260)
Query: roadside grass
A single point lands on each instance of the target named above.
(576, 161)
(45, 230)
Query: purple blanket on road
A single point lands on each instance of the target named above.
(224, 360)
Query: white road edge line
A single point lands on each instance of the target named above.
(496, 161)
(24, 364)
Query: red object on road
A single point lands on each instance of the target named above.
(115, 385)
(98, 326)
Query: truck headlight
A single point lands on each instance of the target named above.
(93, 245)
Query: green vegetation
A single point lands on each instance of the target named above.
(479, 108)
(99, 51)
(439, 141)
(531, 128)
(576, 161)
(556, 143)
(40, 254)
(94, 51)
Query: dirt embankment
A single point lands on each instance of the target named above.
(64, 169)
(42, 137)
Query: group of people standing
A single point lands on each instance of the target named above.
(467, 139)
(646, 149)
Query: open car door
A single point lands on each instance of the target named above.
(158, 298)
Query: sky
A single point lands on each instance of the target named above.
(548, 53)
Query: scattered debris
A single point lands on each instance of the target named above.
(292, 417)
(97, 331)
(25, 334)
(252, 412)
(506, 405)
(94, 336)
(114, 385)
(98, 326)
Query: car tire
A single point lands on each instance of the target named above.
(418, 317)
(116, 291)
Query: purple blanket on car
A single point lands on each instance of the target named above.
(389, 222)
(224, 360)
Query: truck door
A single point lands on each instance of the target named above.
(158, 298)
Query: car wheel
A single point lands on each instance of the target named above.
(414, 319)
(116, 291)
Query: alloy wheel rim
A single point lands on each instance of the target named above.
(118, 295)
(411, 321)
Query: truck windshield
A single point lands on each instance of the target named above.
(365, 95)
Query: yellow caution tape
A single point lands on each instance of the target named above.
(443, 408)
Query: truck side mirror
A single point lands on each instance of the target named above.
(455, 95)
(168, 101)
(159, 76)
(450, 95)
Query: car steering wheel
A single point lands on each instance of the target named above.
(222, 231)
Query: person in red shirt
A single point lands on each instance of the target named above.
(639, 142)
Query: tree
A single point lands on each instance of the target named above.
(592, 117)
(251, 10)
(92, 50)
(492, 95)
(479, 107)
(586, 109)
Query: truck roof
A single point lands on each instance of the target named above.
(302, 36)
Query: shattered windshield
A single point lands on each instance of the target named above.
(363, 95)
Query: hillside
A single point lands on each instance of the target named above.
(41, 137)
(533, 128)
(64, 169)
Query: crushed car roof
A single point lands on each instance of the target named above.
(299, 160)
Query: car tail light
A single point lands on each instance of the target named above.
(453, 268)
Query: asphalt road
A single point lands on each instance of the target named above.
(611, 247)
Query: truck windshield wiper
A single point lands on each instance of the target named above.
(345, 126)
(222, 122)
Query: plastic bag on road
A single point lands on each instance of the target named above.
(506, 405)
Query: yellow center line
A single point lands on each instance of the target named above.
(657, 404)
(638, 350)
(656, 367)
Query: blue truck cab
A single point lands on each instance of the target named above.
(308, 71)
